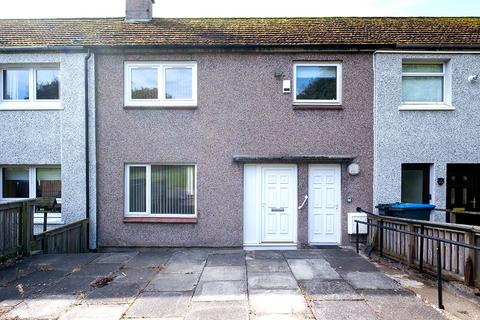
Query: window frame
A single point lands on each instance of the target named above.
(339, 88)
(161, 101)
(148, 189)
(32, 103)
(52, 217)
(427, 105)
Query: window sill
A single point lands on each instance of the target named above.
(426, 107)
(150, 107)
(29, 108)
(158, 220)
(317, 107)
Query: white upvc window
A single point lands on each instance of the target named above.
(23, 182)
(161, 190)
(160, 84)
(317, 83)
(24, 87)
(425, 86)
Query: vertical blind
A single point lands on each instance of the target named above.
(137, 189)
(171, 189)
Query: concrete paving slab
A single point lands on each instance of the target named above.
(191, 253)
(221, 291)
(223, 273)
(115, 257)
(348, 310)
(218, 311)
(226, 251)
(96, 270)
(46, 307)
(370, 280)
(114, 293)
(10, 296)
(183, 265)
(282, 317)
(61, 262)
(135, 275)
(229, 259)
(37, 281)
(173, 282)
(15, 272)
(160, 305)
(406, 306)
(97, 312)
(277, 301)
(74, 286)
(344, 264)
(267, 265)
(252, 255)
(149, 260)
(318, 289)
(303, 254)
(278, 280)
(307, 269)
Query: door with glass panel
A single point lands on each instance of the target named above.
(463, 191)
(416, 183)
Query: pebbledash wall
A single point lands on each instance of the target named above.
(241, 110)
(56, 137)
(436, 137)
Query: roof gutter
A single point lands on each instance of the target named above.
(41, 48)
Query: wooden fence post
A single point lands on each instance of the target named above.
(410, 245)
(26, 232)
(470, 260)
(84, 236)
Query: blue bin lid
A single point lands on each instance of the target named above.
(413, 206)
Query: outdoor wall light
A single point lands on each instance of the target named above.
(279, 73)
(473, 78)
(440, 181)
(353, 169)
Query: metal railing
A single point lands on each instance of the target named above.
(421, 236)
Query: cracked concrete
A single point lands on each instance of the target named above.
(206, 284)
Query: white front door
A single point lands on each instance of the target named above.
(324, 204)
(278, 206)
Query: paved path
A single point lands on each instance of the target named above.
(206, 284)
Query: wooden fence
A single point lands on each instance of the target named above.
(17, 238)
(71, 238)
(457, 262)
(16, 227)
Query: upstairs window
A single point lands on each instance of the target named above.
(423, 83)
(317, 83)
(30, 88)
(169, 84)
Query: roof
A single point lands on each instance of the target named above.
(379, 31)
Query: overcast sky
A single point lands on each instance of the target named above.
(241, 8)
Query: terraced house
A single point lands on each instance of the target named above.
(261, 133)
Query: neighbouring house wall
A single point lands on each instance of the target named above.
(436, 137)
(54, 137)
(241, 110)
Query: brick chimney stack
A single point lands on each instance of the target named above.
(138, 10)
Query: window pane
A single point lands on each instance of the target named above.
(173, 189)
(412, 67)
(316, 83)
(144, 83)
(178, 83)
(15, 183)
(138, 189)
(15, 84)
(48, 84)
(412, 186)
(422, 89)
(49, 184)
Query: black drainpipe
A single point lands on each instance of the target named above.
(87, 147)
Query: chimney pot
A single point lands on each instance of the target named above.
(138, 10)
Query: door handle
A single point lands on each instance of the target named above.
(303, 203)
(474, 203)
